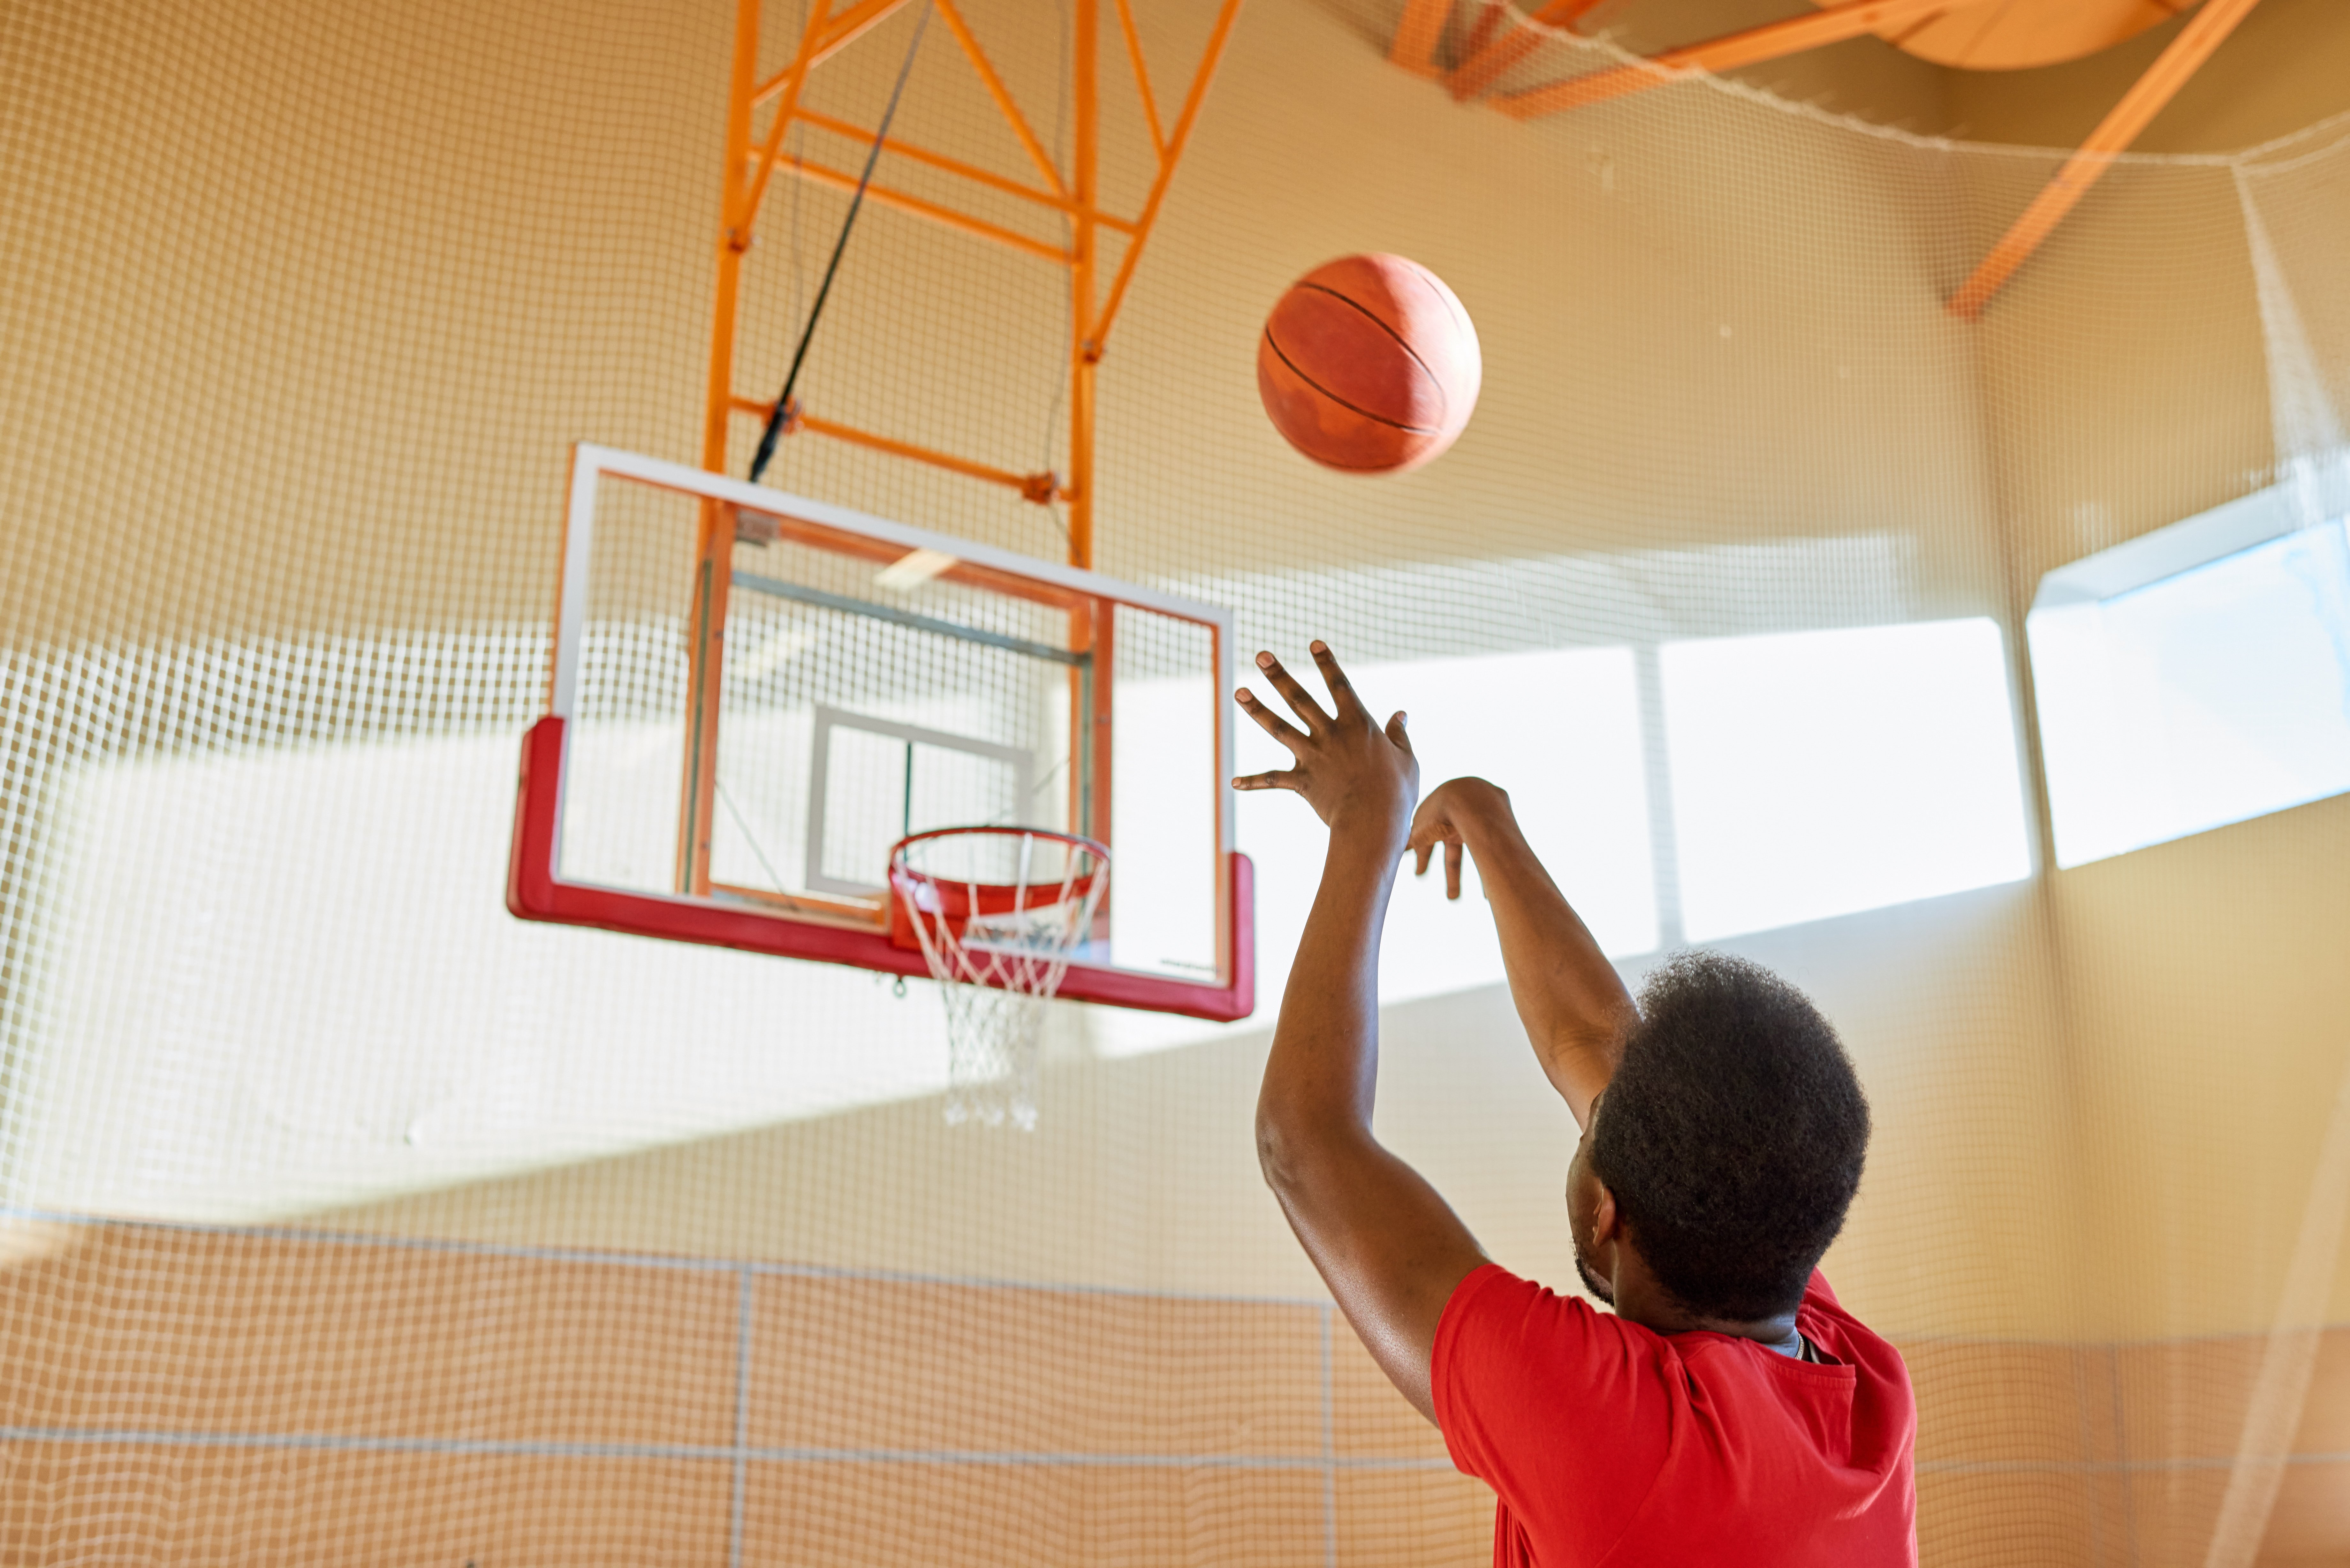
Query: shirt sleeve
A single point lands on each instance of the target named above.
(1566, 1412)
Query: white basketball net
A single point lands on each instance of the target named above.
(996, 969)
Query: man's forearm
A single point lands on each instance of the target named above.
(1382, 1239)
(1572, 1002)
(1379, 1235)
(1323, 1070)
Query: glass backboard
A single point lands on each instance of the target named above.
(755, 695)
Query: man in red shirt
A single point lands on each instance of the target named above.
(1729, 1411)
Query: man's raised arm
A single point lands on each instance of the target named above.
(1570, 998)
(1385, 1243)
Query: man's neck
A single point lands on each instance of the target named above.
(1641, 1300)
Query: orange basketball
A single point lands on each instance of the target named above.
(1369, 364)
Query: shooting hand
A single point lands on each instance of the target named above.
(1359, 776)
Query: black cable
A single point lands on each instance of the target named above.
(782, 410)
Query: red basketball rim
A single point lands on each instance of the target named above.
(955, 900)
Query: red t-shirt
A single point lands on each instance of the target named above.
(1610, 1443)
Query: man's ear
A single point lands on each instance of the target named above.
(1606, 1222)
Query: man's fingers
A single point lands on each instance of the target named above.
(1422, 851)
(1397, 733)
(1272, 722)
(1301, 701)
(1453, 868)
(1286, 778)
(1342, 690)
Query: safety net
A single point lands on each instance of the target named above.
(348, 1219)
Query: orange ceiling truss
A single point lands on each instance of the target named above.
(753, 157)
(1500, 39)
(2204, 32)
(1812, 30)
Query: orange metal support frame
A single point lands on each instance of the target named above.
(1832, 24)
(1499, 41)
(2171, 69)
(754, 158)
(1494, 48)
(832, 26)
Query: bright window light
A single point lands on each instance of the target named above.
(1560, 729)
(1822, 772)
(282, 981)
(1163, 745)
(2204, 697)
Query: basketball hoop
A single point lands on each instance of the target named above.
(996, 912)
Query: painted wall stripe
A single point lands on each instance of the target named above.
(517, 1250)
(334, 1442)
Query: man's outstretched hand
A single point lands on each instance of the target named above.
(1453, 812)
(1385, 1243)
(1359, 777)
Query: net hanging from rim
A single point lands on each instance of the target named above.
(997, 913)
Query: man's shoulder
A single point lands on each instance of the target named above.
(1884, 1404)
(1507, 1340)
(1492, 1301)
(1565, 1411)
(1828, 1324)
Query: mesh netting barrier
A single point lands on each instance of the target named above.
(349, 1221)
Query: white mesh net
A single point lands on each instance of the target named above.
(997, 915)
(350, 1220)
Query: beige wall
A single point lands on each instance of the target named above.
(516, 1406)
(2128, 378)
(361, 324)
(315, 302)
(365, 322)
(347, 1401)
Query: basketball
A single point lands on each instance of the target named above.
(1369, 364)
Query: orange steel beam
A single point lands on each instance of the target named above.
(864, 547)
(2171, 70)
(1493, 49)
(1418, 33)
(1175, 144)
(803, 62)
(825, 47)
(714, 529)
(1141, 76)
(1831, 25)
(1489, 20)
(1078, 197)
(956, 166)
(1084, 352)
(886, 196)
(750, 164)
(1002, 97)
(1093, 631)
(852, 25)
(1037, 487)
